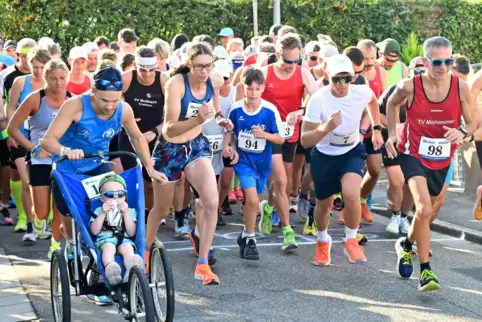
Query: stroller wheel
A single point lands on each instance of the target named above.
(60, 288)
(161, 283)
(140, 299)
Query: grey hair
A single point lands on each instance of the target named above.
(161, 47)
(435, 42)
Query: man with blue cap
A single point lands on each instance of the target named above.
(86, 124)
(225, 35)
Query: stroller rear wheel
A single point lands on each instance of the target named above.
(140, 299)
(59, 278)
(162, 283)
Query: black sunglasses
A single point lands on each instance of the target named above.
(341, 79)
(358, 72)
(117, 194)
(418, 72)
(291, 62)
(313, 58)
(226, 78)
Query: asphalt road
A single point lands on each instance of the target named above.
(288, 287)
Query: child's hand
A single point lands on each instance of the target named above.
(123, 206)
(108, 205)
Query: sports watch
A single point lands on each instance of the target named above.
(377, 127)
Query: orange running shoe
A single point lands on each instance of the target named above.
(354, 252)
(341, 220)
(365, 213)
(204, 273)
(147, 256)
(478, 204)
(323, 253)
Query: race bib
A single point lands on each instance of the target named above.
(193, 109)
(247, 142)
(434, 149)
(91, 185)
(216, 142)
(337, 139)
(288, 130)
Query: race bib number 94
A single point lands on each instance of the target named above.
(434, 149)
(337, 139)
(247, 142)
(91, 185)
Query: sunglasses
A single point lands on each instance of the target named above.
(391, 60)
(358, 72)
(418, 72)
(103, 84)
(291, 62)
(439, 62)
(226, 78)
(116, 194)
(314, 58)
(341, 79)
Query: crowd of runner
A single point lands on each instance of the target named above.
(311, 123)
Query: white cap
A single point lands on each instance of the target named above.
(45, 41)
(339, 64)
(310, 46)
(220, 52)
(327, 51)
(223, 67)
(91, 48)
(77, 52)
(250, 50)
(173, 61)
(237, 55)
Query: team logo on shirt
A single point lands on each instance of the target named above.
(84, 133)
(108, 133)
(148, 95)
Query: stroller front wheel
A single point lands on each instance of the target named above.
(140, 299)
(161, 283)
(60, 299)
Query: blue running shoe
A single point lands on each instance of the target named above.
(369, 202)
(275, 220)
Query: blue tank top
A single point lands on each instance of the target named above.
(189, 104)
(90, 134)
(27, 89)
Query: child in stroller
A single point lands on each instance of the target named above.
(114, 225)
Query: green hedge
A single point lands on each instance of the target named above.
(76, 21)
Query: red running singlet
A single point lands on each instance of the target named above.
(423, 133)
(286, 95)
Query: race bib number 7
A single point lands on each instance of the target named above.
(434, 149)
(337, 139)
(247, 142)
(91, 185)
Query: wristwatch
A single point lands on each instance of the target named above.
(377, 127)
(464, 131)
(363, 131)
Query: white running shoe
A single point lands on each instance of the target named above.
(404, 226)
(394, 225)
(303, 208)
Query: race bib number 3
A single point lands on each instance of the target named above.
(247, 142)
(434, 149)
(288, 130)
(216, 142)
(344, 139)
(91, 185)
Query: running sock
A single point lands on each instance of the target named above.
(16, 191)
(202, 260)
(312, 197)
(407, 245)
(247, 235)
(268, 208)
(303, 196)
(351, 233)
(29, 228)
(397, 213)
(179, 215)
(323, 235)
(424, 266)
(196, 231)
(403, 215)
(337, 195)
(363, 200)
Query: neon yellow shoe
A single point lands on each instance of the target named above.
(54, 245)
(362, 239)
(310, 226)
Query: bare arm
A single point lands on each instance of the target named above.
(309, 81)
(373, 111)
(172, 109)
(96, 225)
(129, 224)
(70, 112)
(138, 140)
(237, 76)
(3, 116)
(27, 108)
(312, 133)
(275, 138)
(402, 92)
(406, 73)
(467, 102)
(384, 78)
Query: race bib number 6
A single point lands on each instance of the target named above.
(216, 142)
(288, 130)
(434, 149)
(91, 185)
(247, 142)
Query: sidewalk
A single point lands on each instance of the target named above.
(455, 218)
(14, 303)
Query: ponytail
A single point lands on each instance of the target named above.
(181, 69)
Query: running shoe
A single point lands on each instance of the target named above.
(100, 300)
(54, 245)
(276, 221)
(428, 281)
(337, 203)
(404, 260)
(181, 225)
(40, 229)
(265, 225)
(323, 253)
(361, 238)
(232, 197)
(195, 242)
(29, 237)
(204, 273)
(293, 204)
(247, 248)
(415, 251)
(310, 226)
(404, 225)
(366, 215)
(5, 219)
(303, 208)
(20, 227)
(239, 194)
(394, 225)
(289, 240)
(478, 204)
(354, 251)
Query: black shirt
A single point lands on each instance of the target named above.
(382, 103)
(8, 82)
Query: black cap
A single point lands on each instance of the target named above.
(9, 43)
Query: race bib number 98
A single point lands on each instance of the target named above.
(288, 130)
(247, 142)
(344, 139)
(91, 185)
(434, 149)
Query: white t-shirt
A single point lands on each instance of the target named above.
(347, 135)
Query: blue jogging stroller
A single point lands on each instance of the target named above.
(145, 297)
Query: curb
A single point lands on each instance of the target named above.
(440, 226)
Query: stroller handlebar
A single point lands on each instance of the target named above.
(100, 155)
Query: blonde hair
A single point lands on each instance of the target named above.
(41, 55)
(54, 49)
(237, 41)
(105, 63)
(53, 65)
(161, 47)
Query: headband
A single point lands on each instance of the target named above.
(24, 50)
(146, 62)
